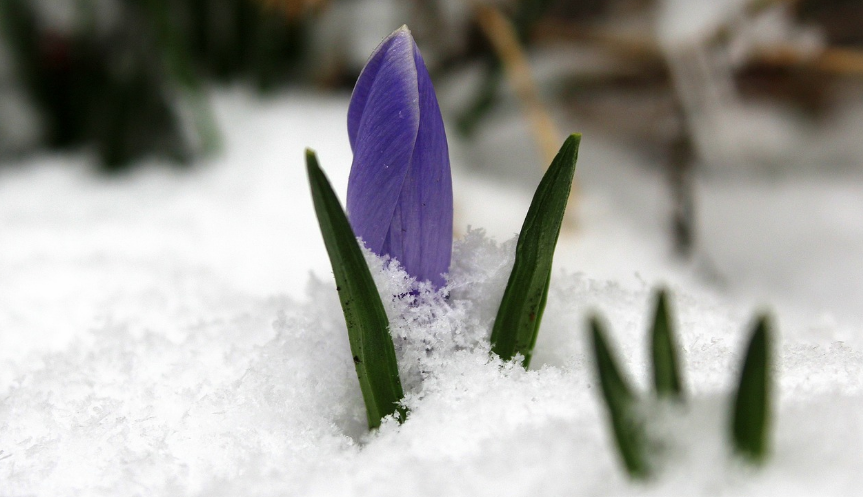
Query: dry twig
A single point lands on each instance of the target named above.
(503, 38)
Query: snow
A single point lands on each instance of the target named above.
(178, 333)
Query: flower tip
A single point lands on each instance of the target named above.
(402, 32)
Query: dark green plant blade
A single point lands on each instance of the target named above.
(663, 347)
(751, 417)
(517, 322)
(621, 403)
(368, 326)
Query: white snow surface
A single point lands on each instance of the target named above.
(178, 333)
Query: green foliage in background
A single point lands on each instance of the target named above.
(131, 85)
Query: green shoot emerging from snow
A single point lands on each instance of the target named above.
(751, 417)
(750, 421)
(517, 323)
(368, 327)
(666, 374)
(621, 403)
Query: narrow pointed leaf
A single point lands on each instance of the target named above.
(666, 373)
(620, 400)
(517, 323)
(368, 327)
(751, 416)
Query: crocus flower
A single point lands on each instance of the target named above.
(400, 188)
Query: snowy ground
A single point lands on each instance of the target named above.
(177, 333)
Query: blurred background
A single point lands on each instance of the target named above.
(718, 82)
(727, 135)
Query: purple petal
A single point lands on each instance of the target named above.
(385, 112)
(400, 187)
(360, 95)
(420, 235)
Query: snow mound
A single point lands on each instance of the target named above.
(264, 400)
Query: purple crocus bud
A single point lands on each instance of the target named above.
(400, 187)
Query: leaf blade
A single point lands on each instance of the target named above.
(516, 326)
(620, 401)
(751, 415)
(666, 371)
(368, 327)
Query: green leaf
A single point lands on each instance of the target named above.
(368, 327)
(517, 323)
(666, 373)
(621, 403)
(751, 417)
